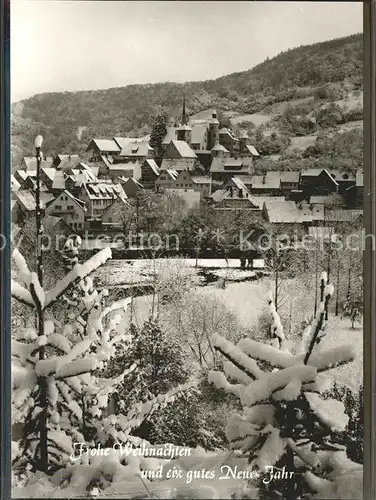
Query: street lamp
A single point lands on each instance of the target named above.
(38, 144)
(42, 381)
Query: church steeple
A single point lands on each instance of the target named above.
(184, 114)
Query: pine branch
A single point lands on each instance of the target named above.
(21, 294)
(78, 273)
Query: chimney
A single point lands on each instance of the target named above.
(264, 179)
(231, 192)
(240, 193)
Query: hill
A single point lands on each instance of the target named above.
(295, 83)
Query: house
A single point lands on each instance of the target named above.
(25, 206)
(131, 187)
(354, 195)
(124, 170)
(31, 183)
(178, 164)
(185, 181)
(199, 137)
(166, 179)
(122, 142)
(30, 162)
(72, 182)
(236, 196)
(179, 150)
(98, 196)
(149, 174)
(14, 210)
(70, 209)
(47, 176)
(267, 184)
(222, 169)
(245, 149)
(289, 213)
(58, 183)
(65, 162)
(289, 181)
(100, 165)
(116, 214)
(133, 151)
(15, 185)
(102, 147)
(228, 139)
(20, 176)
(321, 182)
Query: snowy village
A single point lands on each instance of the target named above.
(187, 284)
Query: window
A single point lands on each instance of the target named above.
(70, 207)
(57, 207)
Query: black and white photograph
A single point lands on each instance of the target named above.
(187, 249)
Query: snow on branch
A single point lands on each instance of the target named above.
(262, 389)
(268, 353)
(237, 357)
(271, 451)
(79, 272)
(115, 306)
(233, 372)
(141, 412)
(21, 294)
(77, 367)
(220, 381)
(22, 267)
(331, 358)
(323, 360)
(312, 335)
(37, 291)
(276, 327)
(330, 411)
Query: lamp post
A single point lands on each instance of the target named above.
(38, 145)
(42, 381)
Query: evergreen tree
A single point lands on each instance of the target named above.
(158, 132)
(77, 352)
(286, 424)
(159, 364)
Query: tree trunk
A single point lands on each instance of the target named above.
(316, 291)
(349, 279)
(337, 286)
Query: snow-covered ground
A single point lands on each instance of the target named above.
(339, 332)
(120, 272)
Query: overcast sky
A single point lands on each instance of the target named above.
(78, 45)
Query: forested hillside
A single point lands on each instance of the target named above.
(314, 76)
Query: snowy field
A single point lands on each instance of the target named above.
(339, 332)
(120, 272)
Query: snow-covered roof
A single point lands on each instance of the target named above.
(177, 164)
(136, 149)
(153, 165)
(184, 149)
(253, 150)
(104, 190)
(105, 145)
